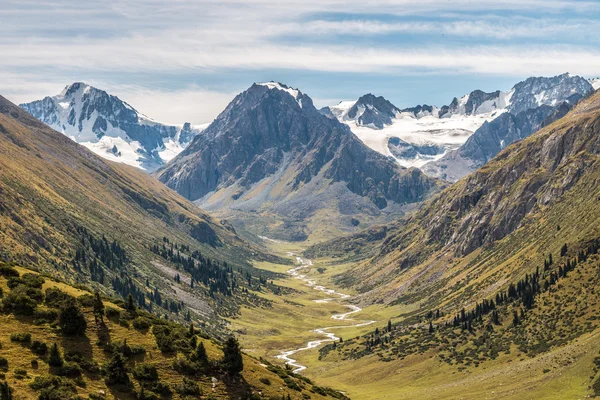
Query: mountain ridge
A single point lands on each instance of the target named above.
(111, 127)
(271, 143)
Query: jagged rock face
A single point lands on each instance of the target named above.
(271, 143)
(103, 122)
(420, 110)
(493, 136)
(494, 201)
(374, 111)
(534, 103)
(402, 149)
(476, 102)
(535, 92)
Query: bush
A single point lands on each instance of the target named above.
(44, 316)
(56, 298)
(145, 372)
(72, 321)
(14, 281)
(57, 393)
(33, 280)
(69, 369)
(188, 388)
(39, 348)
(8, 271)
(21, 337)
(185, 366)
(112, 312)
(3, 362)
(141, 324)
(42, 382)
(20, 373)
(147, 395)
(86, 300)
(161, 388)
(164, 338)
(77, 357)
(265, 381)
(19, 301)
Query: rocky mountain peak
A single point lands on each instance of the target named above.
(271, 150)
(103, 122)
(537, 91)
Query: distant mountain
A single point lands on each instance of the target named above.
(110, 127)
(428, 137)
(493, 226)
(425, 132)
(271, 152)
(535, 103)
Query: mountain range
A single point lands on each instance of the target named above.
(270, 155)
(451, 141)
(110, 127)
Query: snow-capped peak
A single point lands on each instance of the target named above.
(595, 82)
(110, 127)
(295, 93)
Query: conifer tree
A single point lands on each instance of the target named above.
(116, 372)
(430, 327)
(71, 320)
(54, 358)
(232, 357)
(131, 308)
(98, 308)
(389, 328)
(5, 391)
(200, 355)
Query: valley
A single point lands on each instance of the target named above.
(396, 199)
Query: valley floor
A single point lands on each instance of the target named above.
(566, 372)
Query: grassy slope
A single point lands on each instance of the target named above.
(50, 185)
(423, 265)
(254, 376)
(525, 197)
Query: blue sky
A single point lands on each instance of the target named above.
(183, 60)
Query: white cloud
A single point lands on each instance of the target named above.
(71, 40)
(193, 104)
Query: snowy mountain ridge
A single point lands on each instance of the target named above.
(110, 127)
(425, 133)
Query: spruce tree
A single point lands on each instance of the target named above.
(389, 325)
(5, 391)
(430, 327)
(54, 358)
(71, 320)
(116, 372)
(131, 308)
(199, 355)
(98, 308)
(232, 357)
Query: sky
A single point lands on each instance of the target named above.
(183, 61)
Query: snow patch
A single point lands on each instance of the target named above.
(295, 93)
